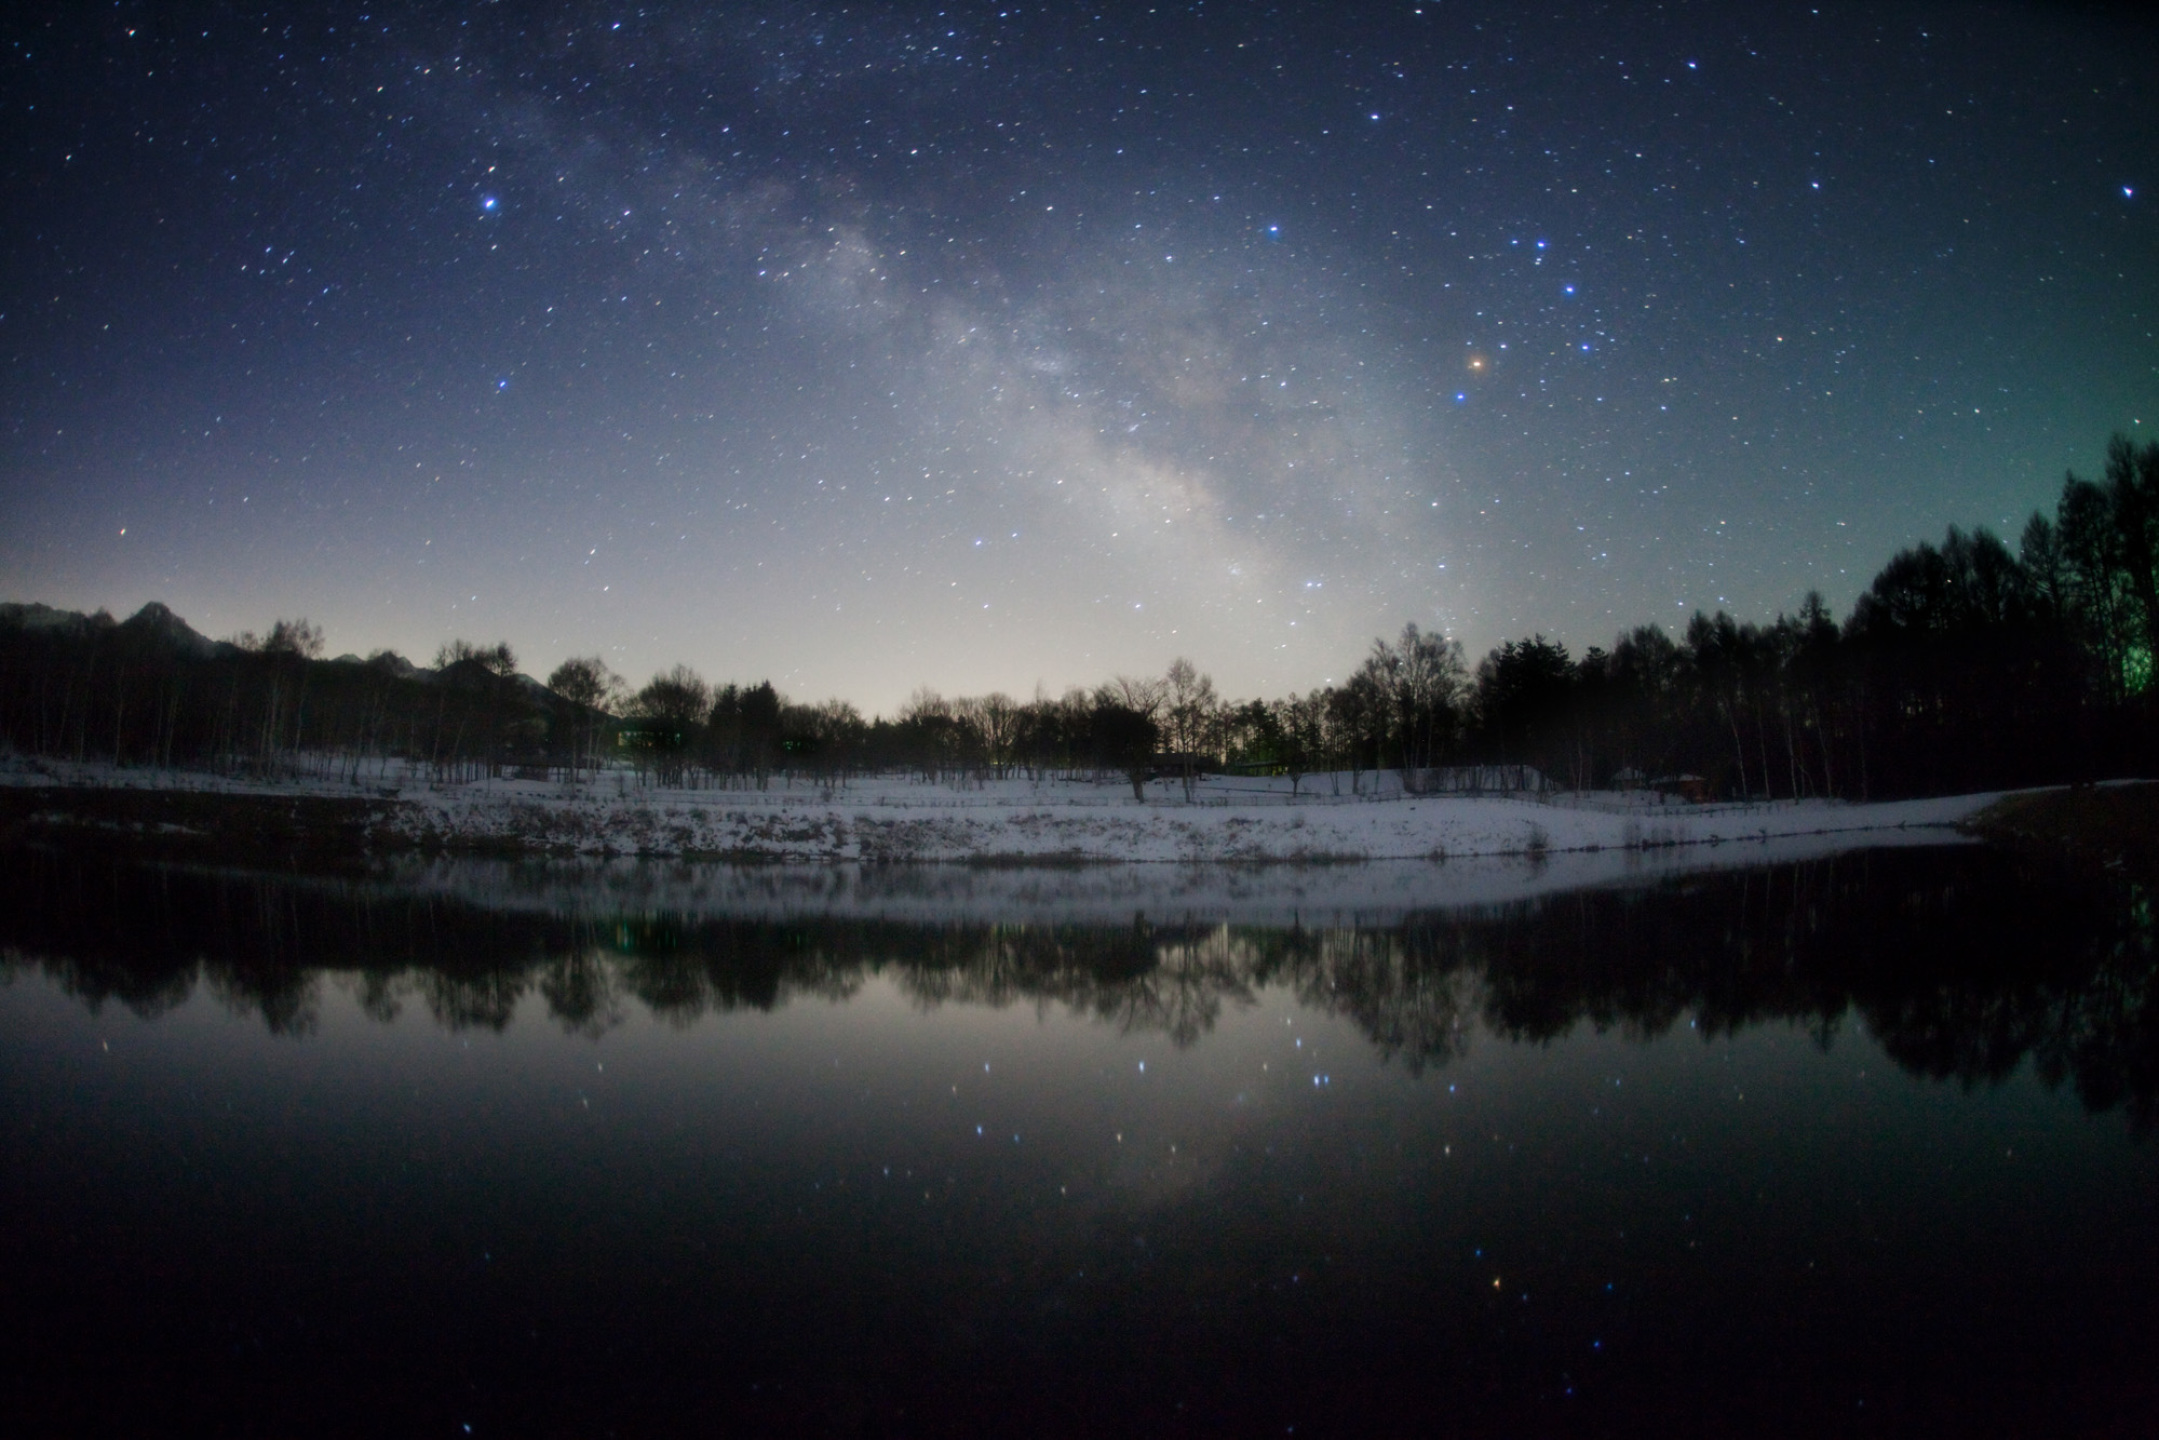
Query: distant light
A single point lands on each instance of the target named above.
(2129, 192)
(488, 202)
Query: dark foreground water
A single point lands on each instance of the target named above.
(1854, 1146)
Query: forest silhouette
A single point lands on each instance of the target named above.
(1963, 666)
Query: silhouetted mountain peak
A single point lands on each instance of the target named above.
(156, 621)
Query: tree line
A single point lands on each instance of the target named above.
(1963, 665)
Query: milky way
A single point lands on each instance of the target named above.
(978, 347)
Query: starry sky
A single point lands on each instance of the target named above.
(980, 346)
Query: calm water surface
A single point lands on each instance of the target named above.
(1853, 1146)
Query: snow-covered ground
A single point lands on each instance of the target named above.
(1329, 818)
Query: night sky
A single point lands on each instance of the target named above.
(974, 347)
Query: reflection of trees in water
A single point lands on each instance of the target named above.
(482, 1001)
(1415, 1000)
(378, 993)
(1962, 964)
(2097, 1028)
(1162, 979)
(584, 991)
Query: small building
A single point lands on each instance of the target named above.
(659, 737)
(1691, 788)
(1629, 779)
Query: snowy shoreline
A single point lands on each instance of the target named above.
(1227, 820)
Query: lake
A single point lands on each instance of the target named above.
(1848, 1144)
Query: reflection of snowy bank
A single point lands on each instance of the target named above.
(1019, 822)
(1237, 821)
(1378, 893)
